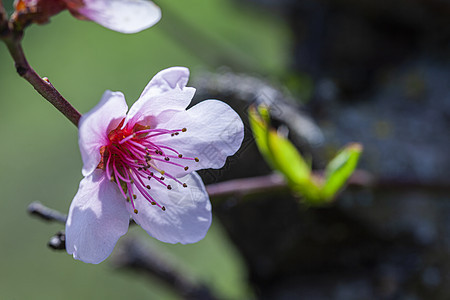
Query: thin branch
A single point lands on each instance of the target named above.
(137, 256)
(359, 178)
(45, 213)
(245, 186)
(132, 255)
(42, 86)
(274, 181)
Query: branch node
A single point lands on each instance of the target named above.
(58, 241)
(21, 70)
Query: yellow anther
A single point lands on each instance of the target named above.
(135, 211)
(196, 159)
(184, 129)
(163, 208)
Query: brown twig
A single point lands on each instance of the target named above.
(42, 86)
(45, 213)
(245, 186)
(12, 39)
(137, 256)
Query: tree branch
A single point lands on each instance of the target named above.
(42, 86)
(132, 255)
(137, 256)
(45, 213)
(245, 186)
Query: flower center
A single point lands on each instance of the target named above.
(132, 158)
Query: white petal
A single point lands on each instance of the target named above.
(187, 217)
(97, 219)
(214, 132)
(166, 91)
(126, 16)
(95, 125)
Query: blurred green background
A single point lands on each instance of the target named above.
(39, 157)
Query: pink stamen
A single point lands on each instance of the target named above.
(128, 159)
(108, 170)
(121, 189)
(169, 162)
(159, 180)
(147, 195)
(118, 175)
(171, 149)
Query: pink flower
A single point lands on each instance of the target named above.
(140, 164)
(126, 16)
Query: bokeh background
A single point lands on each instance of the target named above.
(375, 72)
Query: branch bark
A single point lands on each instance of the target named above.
(244, 186)
(137, 256)
(45, 213)
(12, 40)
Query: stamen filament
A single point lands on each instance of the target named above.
(168, 162)
(117, 174)
(131, 153)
